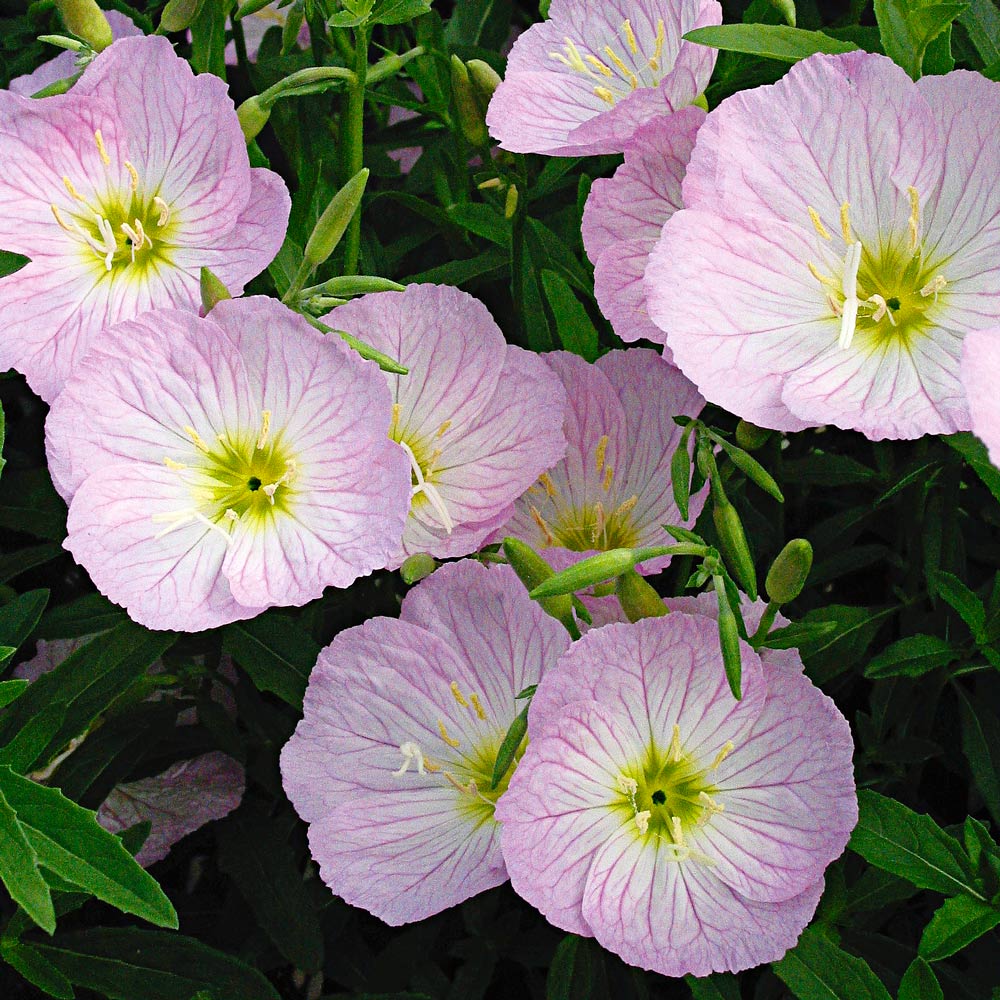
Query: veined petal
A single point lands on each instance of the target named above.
(980, 378)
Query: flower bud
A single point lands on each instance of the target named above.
(533, 570)
(729, 640)
(638, 598)
(335, 219)
(179, 15)
(733, 541)
(588, 572)
(213, 291)
(416, 567)
(87, 21)
(750, 437)
(510, 205)
(788, 573)
(253, 115)
(470, 115)
(485, 80)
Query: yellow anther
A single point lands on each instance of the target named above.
(62, 222)
(171, 464)
(395, 417)
(265, 429)
(726, 750)
(837, 308)
(616, 60)
(661, 37)
(470, 789)
(550, 539)
(626, 507)
(630, 36)
(642, 820)
(710, 804)
(823, 279)
(609, 475)
(445, 736)
(551, 489)
(163, 208)
(443, 429)
(627, 785)
(675, 753)
(677, 830)
(99, 139)
(477, 706)
(914, 217)
(575, 59)
(196, 438)
(605, 95)
(818, 224)
(935, 285)
(457, 693)
(845, 221)
(600, 522)
(132, 173)
(433, 768)
(600, 451)
(72, 190)
(599, 66)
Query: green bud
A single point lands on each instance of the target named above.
(250, 7)
(57, 87)
(509, 747)
(63, 42)
(638, 598)
(532, 570)
(734, 545)
(416, 567)
(179, 15)
(87, 21)
(510, 205)
(354, 284)
(335, 219)
(588, 572)
(485, 80)
(470, 115)
(729, 639)
(253, 115)
(750, 437)
(789, 572)
(213, 291)
(701, 101)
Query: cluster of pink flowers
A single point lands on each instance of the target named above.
(219, 465)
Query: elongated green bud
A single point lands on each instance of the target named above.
(485, 80)
(87, 21)
(509, 747)
(789, 571)
(416, 567)
(179, 15)
(586, 573)
(510, 203)
(470, 115)
(733, 541)
(65, 42)
(335, 219)
(729, 640)
(638, 598)
(253, 115)
(750, 437)
(213, 291)
(533, 570)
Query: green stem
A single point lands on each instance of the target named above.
(239, 40)
(355, 144)
(766, 621)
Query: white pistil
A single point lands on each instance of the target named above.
(412, 754)
(175, 519)
(271, 488)
(849, 286)
(935, 285)
(428, 489)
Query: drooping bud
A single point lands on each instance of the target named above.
(335, 219)
(470, 115)
(750, 437)
(510, 205)
(729, 639)
(253, 116)
(638, 598)
(213, 291)
(416, 567)
(179, 15)
(532, 570)
(485, 80)
(733, 541)
(87, 21)
(789, 572)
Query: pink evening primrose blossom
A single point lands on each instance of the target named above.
(216, 467)
(834, 284)
(120, 192)
(613, 489)
(624, 217)
(981, 379)
(392, 764)
(587, 79)
(64, 65)
(686, 831)
(478, 418)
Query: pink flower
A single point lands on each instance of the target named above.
(120, 192)
(216, 467)
(391, 765)
(834, 284)
(64, 65)
(981, 380)
(586, 80)
(624, 217)
(686, 831)
(479, 419)
(613, 489)
(177, 802)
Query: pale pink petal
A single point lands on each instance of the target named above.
(981, 379)
(177, 802)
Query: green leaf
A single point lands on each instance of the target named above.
(9, 690)
(774, 41)
(36, 969)
(817, 969)
(571, 975)
(3, 437)
(837, 651)
(912, 656)
(19, 870)
(19, 618)
(126, 963)
(18, 562)
(398, 11)
(981, 745)
(907, 27)
(256, 854)
(574, 327)
(11, 262)
(955, 924)
(797, 634)
(718, 986)
(974, 452)
(276, 652)
(963, 600)
(750, 467)
(982, 22)
(86, 615)
(911, 845)
(919, 983)
(208, 38)
(483, 220)
(69, 842)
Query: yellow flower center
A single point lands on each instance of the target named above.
(424, 456)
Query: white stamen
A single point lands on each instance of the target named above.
(411, 754)
(428, 489)
(849, 286)
(164, 210)
(935, 285)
